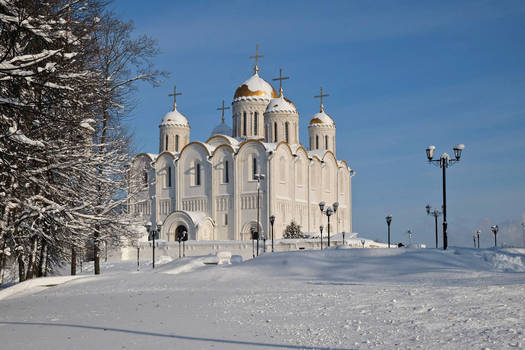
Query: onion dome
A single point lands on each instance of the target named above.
(174, 118)
(322, 119)
(280, 105)
(255, 88)
(222, 129)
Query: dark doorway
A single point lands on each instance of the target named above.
(179, 232)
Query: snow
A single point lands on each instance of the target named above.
(322, 119)
(280, 105)
(332, 299)
(256, 83)
(19, 137)
(174, 118)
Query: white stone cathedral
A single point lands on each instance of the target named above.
(210, 189)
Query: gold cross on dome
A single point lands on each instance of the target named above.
(175, 94)
(321, 97)
(256, 57)
(223, 109)
(281, 78)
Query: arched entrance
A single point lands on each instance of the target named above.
(179, 232)
(246, 233)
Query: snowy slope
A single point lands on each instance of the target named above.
(334, 299)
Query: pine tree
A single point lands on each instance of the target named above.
(293, 231)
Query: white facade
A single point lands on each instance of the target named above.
(208, 188)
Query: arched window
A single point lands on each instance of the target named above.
(145, 179)
(244, 123)
(197, 174)
(316, 141)
(325, 142)
(274, 132)
(226, 176)
(169, 177)
(286, 132)
(254, 167)
(176, 143)
(167, 139)
(255, 121)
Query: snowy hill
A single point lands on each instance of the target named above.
(332, 299)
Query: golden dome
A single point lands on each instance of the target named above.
(255, 86)
(321, 119)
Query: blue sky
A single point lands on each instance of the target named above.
(401, 75)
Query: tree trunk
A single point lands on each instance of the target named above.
(2, 263)
(21, 269)
(73, 261)
(40, 271)
(96, 254)
(32, 260)
(47, 259)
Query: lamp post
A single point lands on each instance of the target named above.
(474, 238)
(252, 231)
(259, 178)
(388, 221)
(152, 230)
(335, 206)
(444, 162)
(477, 233)
(409, 237)
(523, 229)
(495, 230)
(329, 213)
(435, 213)
(343, 237)
(272, 220)
(321, 229)
(184, 239)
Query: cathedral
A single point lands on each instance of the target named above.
(229, 185)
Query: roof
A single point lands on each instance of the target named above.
(280, 105)
(254, 88)
(174, 118)
(322, 119)
(222, 129)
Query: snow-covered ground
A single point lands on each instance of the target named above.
(334, 299)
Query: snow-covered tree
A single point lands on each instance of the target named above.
(63, 154)
(293, 231)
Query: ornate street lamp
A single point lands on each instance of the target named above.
(259, 178)
(329, 213)
(495, 230)
(435, 213)
(388, 221)
(253, 235)
(474, 238)
(321, 229)
(153, 230)
(409, 237)
(272, 220)
(444, 162)
(477, 233)
(335, 206)
(523, 229)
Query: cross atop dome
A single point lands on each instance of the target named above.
(175, 94)
(223, 109)
(256, 57)
(281, 78)
(321, 97)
